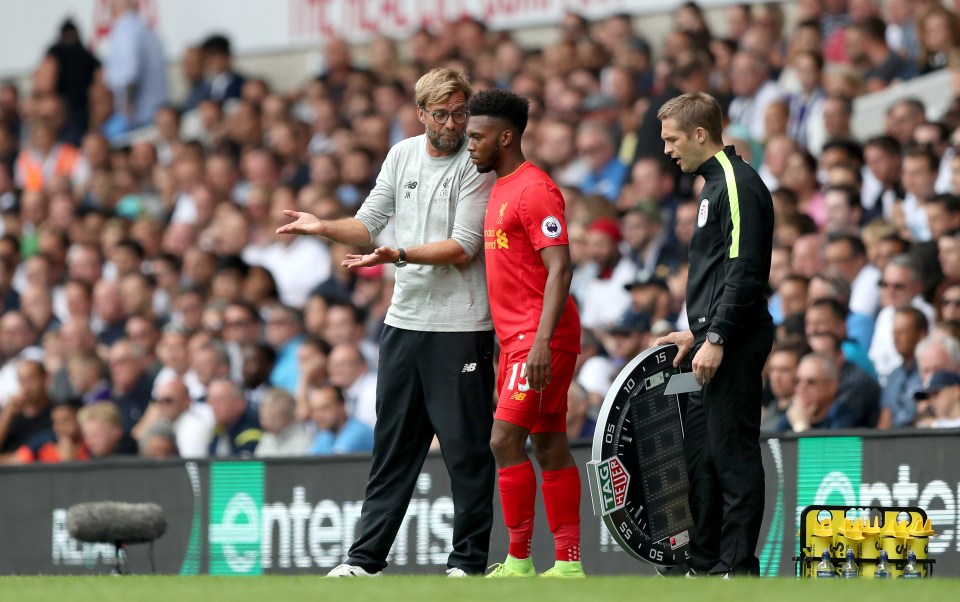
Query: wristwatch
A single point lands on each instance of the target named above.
(402, 259)
(714, 338)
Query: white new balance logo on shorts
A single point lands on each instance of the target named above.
(468, 368)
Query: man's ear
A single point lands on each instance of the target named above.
(701, 135)
(421, 114)
(506, 137)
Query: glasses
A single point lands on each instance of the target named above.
(441, 117)
(898, 286)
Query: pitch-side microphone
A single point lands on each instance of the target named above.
(116, 522)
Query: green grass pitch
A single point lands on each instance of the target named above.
(423, 589)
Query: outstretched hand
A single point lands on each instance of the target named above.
(683, 340)
(378, 256)
(304, 223)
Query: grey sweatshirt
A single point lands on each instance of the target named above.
(433, 199)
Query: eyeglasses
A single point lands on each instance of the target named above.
(899, 286)
(441, 116)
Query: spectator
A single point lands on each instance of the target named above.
(646, 241)
(134, 70)
(594, 370)
(258, 362)
(867, 49)
(939, 33)
(284, 332)
(753, 92)
(858, 394)
(781, 373)
(898, 408)
(191, 422)
(846, 257)
(159, 441)
(826, 315)
(18, 342)
(942, 398)
(937, 352)
(348, 370)
(813, 406)
(843, 211)
(807, 256)
(102, 428)
(950, 302)
(192, 67)
(627, 337)
(920, 168)
(68, 70)
(882, 188)
(603, 298)
(903, 118)
(793, 294)
(337, 433)
(899, 288)
(224, 82)
(580, 425)
(87, 377)
(606, 173)
(236, 428)
(63, 443)
(806, 104)
(26, 413)
(283, 434)
(130, 385)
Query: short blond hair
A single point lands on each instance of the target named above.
(695, 110)
(105, 412)
(440, 84)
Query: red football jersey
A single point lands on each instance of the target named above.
(525, 214)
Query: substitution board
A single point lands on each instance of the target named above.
(637, 472)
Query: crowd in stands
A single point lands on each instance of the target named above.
(149, 307)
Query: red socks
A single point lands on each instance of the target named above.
(561, 496)
(518, 496)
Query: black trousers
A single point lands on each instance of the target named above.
(431, 383)
(722, 447)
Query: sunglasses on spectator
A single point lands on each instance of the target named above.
(894, 285)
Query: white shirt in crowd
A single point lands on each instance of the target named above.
(883, 353)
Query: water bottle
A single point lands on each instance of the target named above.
(825, 568)
(910, 569)
(881, 571)
(850, 570)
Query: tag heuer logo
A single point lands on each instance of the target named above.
(614, 480)
(411, 185)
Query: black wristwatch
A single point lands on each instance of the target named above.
(714, 338)
(402, 259)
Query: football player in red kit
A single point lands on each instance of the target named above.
(528, 279)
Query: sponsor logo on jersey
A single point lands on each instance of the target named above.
(550, 226)
(502, 241)
(703, 213)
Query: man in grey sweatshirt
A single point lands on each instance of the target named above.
(435, 373)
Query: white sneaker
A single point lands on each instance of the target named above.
(456, 573)
(350, 570)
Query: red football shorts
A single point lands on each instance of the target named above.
(543, 412)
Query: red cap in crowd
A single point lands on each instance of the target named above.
(607, 225)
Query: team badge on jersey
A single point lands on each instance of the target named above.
(550, 226)
(703, 213)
